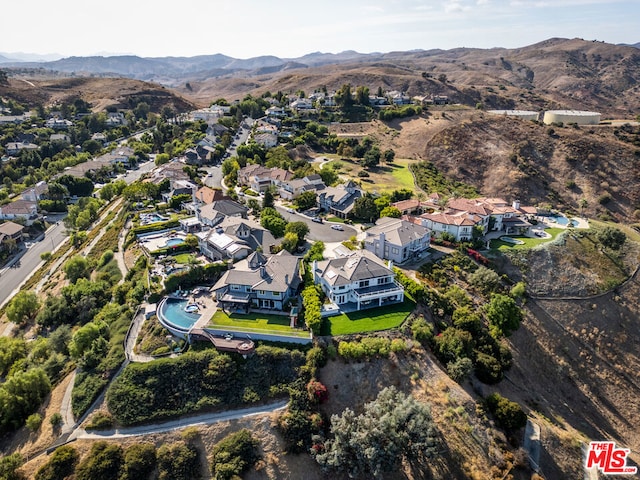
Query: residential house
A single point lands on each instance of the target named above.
(58, 123)
(99, 137)
(36, 192)
(115, 119)
(171, 170)
(15, 119)
(397, 240)
(358, 281)
(14, 148)
(267, 140)
(459, 225)
(179, 187)
(275, 111)
(213, 213)
(263, 282)
(20, 209)
(82, 169)
(10, 233)
(260, 178)
(412, 206)
(293, 188)
(60, 137)
(302, 104)
(234, 238)
(339, 200)
(119, 156)
(206, 195)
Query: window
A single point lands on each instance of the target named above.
(275, 294)
(236, 287)
(364, 283)
(261, 292)
(395, 250)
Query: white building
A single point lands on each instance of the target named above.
(358, 281)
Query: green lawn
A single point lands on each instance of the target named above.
(371, 320)
(183, 258)
(528, 241)
(257, 322)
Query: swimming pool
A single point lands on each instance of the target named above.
(172, 242)
(562, 220)
(172, 312)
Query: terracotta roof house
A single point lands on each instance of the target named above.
(260, 281)
(397, 240)
(358, 281)
(206, 195)
(460, 224)
(20, 209)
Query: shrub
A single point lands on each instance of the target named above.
(612, 237)
(178, 461)
(460, 369)
(422, 331)
(234, 455)
(508, 414)
(100, 421)
(34, 421)
(398, 345)
(453, 344)
(139, 461)
(312, 309)
(318, 393)
(488, 369)
(103, 462)
(56, 420)
(61, 464)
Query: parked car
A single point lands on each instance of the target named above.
(337, 227)
(291, 210)
(316, 219)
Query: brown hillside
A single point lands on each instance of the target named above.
(515, 159)
(557, 73)
(99, 92)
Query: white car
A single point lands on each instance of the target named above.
(337, 227)
(291, 210)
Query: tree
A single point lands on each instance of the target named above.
(343, 97)
(393, 427)
(21, 395)
(139, 460)
(299, 228)
(191, 241)
(178, 461)
(365, 208)
(391, 212)
(503, 314)
(306, 200)
(371, 157)
(508, 415)
(61, 464)
(484, 279)
(290, 242)
(268, 200)
(362, 95)
(9, 466)
(273, 221)
(85, 336)
(315, 252)
(23, 307)
(234, 454)
(389, 155)
(612, 237)
(76, 267)
(103, 462)
(34, 421)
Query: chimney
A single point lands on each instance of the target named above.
(516, 205)
(263, 271)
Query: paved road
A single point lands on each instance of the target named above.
(11, 278)
(133, 175)
(203, 419)
(320, 231)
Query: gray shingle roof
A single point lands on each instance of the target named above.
(362, 265)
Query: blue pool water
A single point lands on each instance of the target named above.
(172, 311)
(172, 242)
(562, 220)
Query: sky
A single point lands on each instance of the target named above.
(292, 28)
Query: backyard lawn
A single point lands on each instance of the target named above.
(258, 322)
(371, 320)
(384, 179)
(528, 242)
(184, 258)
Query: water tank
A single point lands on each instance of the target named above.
(571, 116)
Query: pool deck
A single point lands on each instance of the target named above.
(157, 242)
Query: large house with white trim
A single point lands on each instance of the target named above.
(234, 238)
(397, 240)
(358, 281)
(260, 281)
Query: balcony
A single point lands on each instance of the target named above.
(377, 291)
